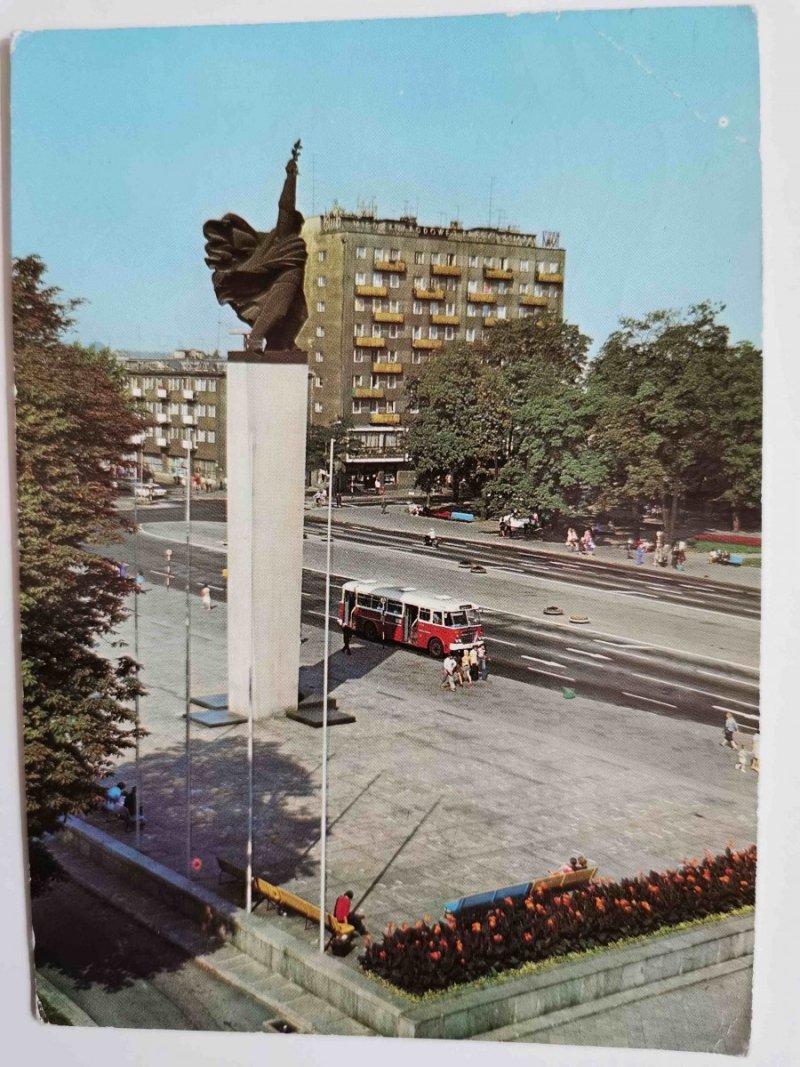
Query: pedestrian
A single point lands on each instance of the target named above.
(587, 542)
(641, 548)
(483, 663)
(139, 582)
(681, 563)
(729, 730)
(343, 912)
(123, 569)
(115, 799)
(674, 554)
(741, 760)
(473, 664)
(347, 633)
(205, 597)
(466, 671)
(384, 502)
(754, 766)
(449, 669)
(572, 539)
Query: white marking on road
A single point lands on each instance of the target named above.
(727, 678)
(694, 689)
(561, 677)
(581, 652)
(741, 714)
(500, 641)
(625, 645)
(546, 662)
(635, 592)
(321, 614)
(650, 700)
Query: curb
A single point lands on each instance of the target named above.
(50, 996)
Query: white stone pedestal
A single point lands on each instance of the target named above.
(267, 396)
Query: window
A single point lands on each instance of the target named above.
(201, 437)
(486, 311)
(436, 258)
(489, 262)
(524, 264)
(211, 437)
(358, 355)
(317, 382)
(394, 306)
(416, 357)
(318, 408)
(212, 411)
(451, 259)
(322, 281)
(358, 381)
(419, 257)
(356, 407)
(318, 356)
(394, 331)
(416, 307)
(449, 309)
(377, 278)
(552, 268)
(501, 312)
(377, 304)
(419, 282)
(322, 255)
(472, 311)
(472, 286)
(524, 289)
(360, 304)
(394, 255)
(501, 288)
(538, 289)
(361, 252)
(201, 410)
(434, 307)
(553, 291)
(391, 407)
(416, 333)
(503, 263)
(451, 284)
(473, 261)
(361, 329)
(148, 383)
(201, 385)
(361, 278)
(449, 333)
(212, 385)
(320, 306)
(470, 334)
(394, 281)
(377, 330)
(320, 331)
(391, 356)
(378, 255)
(433, 333)
(174, 383)
(391, 381)
(174, 408)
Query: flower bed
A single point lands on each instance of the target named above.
(429, 956)
(730, 539)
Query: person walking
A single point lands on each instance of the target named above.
(205, 597)
(473, 664)
(641, 548)
(572, 539)
(730, 728)
(347, 633)
(483, 663)
(384, 502)
(466, 672)
(587, 542)
(449, 668)
(754, 765)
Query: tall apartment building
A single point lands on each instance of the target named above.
(185, 396)
(384, 295)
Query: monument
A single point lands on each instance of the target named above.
(260, 274)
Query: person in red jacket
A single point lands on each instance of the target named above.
(343, 913)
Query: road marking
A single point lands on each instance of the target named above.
(727, 678)
(500, 641)
(635, 592)
(580, 652)
(546, 662)
(741, 714)
(650, 700)
(694, 689)
(618, 644)
(321, 614)
(561, 677)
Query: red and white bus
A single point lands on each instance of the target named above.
(409, 616)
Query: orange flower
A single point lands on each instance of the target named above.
(600, 904)
(527, 936)
(435, 956)
(646, 906)
(476, 928)
(459, 946)
(578, 914)
(492, 922)
(724, 878)
(497, 938)
(744, 884)
(698, 889)
(509, 901)
(551, 923)
(529, 903)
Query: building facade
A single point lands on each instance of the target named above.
(385, 295)
(185, 399)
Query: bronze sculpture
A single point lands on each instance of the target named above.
(261, 274)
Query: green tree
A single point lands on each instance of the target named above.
(73, 422)
(659, 393)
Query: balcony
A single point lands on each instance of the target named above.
(161, 393)
(386, 368)
(388, 316)
(369, 342)
(188, 394)
(371, 290)
(426, 342)
(554, 279)
(188, 445)
(188, 420)
(492, 320)
(482, 298)
(429, 294)
(445, 320)
(136, 391)
(162, 442)
(396, 266)
(366, 393)
(383, 418)
(162, 419)
(445, 270)
(497, 273)
(534, 301)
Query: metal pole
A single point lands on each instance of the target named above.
(138, 805)
(188, 651)
(323, 828)
(250, 791)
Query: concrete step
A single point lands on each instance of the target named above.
(530, 1029)
(281, 998)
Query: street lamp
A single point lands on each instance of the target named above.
(138, 442)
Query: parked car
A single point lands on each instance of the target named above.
(149, 491)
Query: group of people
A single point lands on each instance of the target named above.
(576, 863)
(730, 739)
(583, 545)
(664, 554)
(527, 525)
(465, 669)
(121, 803)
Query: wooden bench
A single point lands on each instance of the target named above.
(284, 898)
(479, 902)
(236, 874)
(565, 880)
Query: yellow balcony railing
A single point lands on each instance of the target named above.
(426, 342)
(445, 320)
(497, 273)
(429, 294)
(534, 301)
(386, 368)
(395, 265)
(445, 270)
(388, 316)
(369, 342)
(371, 290)
(383, 418)
(367, 393)
(491, 320)
(482, 298)
(556, 279)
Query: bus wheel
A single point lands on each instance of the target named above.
(370, 631)
(436, 648)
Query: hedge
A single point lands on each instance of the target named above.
(436, 955)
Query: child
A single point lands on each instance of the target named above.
(741, 760)
(729, 730)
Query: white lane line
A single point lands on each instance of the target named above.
(546, 662)
(727, 678)
(581, 652)
(619, 644)
(741, 714)
(309, 596)
(322, 615)
(650, 700)
(694, 689)
(561, 677)
(636, 592)
(499, 641)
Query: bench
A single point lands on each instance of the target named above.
(235, 874)
(484, 901)
(284, 898)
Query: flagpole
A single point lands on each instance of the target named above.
(188, 651)
(323, 830)
(137, 810)
(248, 893)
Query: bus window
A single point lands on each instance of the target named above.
(394, 607)
(437, 618)
(424, 614)
(455, 618)
(473, 616)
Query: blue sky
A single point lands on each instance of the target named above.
(633, 133)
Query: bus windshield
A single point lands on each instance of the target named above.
(455, 618)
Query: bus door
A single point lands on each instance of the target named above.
(410, 616)
(349, 604)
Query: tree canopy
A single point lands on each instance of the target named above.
(73, 423)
